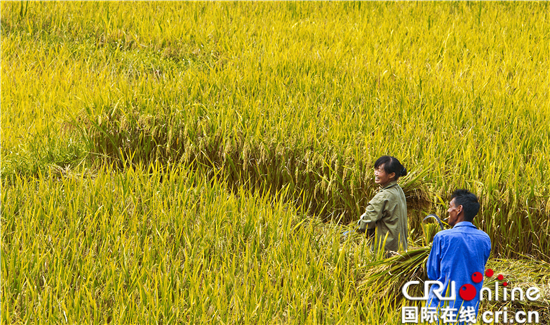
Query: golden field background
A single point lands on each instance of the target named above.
(196, 162)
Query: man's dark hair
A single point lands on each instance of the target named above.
(391, 165)
(468, 201)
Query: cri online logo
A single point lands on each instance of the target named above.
(469, 292)
(466, 292)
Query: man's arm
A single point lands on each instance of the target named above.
(433, 265)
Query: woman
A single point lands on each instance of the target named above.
(387, 211)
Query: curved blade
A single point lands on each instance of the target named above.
(436, 218)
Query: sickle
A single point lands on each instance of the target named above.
(436, 218)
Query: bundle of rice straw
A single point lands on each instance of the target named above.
(386, 277)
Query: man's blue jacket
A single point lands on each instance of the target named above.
(456, 255)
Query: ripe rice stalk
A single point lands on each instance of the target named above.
(387, 276)
(264, 97)
(185, 94)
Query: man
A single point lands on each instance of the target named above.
(456, 255)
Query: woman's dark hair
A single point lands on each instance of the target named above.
(391, 165)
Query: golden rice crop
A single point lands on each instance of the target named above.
(261, 98)
(155, 245)
(295, 93)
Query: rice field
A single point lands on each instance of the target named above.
(196, 162)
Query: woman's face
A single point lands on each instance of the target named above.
(381, 177)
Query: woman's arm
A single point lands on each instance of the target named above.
(373, 213)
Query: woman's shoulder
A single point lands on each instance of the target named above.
(392, 189)
(388, 192)
(393, 192)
